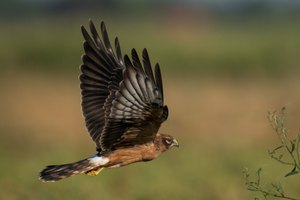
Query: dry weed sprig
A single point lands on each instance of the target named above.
(289, 146)
(287, 153)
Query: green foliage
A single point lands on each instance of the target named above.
(267, 190)
(287, 153)
(217, 48)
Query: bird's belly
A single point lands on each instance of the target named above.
(126, 156)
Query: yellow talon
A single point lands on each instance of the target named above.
(94, 172)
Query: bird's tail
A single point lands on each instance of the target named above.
(58, 172)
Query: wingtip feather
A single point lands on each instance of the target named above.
(83, 30)
(103, 27)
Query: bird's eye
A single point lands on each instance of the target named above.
(168, 141)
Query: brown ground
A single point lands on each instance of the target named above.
(208, 109)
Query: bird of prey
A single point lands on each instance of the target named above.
(123, 107)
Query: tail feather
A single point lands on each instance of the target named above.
(57, 172)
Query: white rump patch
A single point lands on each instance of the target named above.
(98, 160)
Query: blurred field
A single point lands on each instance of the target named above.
(221, 77)
(261, 47)
(221, 127)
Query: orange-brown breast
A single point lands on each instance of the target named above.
(126, 156)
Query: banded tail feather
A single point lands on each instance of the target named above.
(54, 173)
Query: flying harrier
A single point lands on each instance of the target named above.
(123, 106)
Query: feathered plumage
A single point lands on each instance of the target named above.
(122, 103)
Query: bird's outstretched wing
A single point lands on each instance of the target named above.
(122, 99)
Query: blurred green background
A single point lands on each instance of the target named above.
(225, 64)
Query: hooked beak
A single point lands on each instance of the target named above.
(175, 143)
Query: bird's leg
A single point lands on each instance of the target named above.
(94, 172)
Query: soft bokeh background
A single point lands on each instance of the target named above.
(225, 64)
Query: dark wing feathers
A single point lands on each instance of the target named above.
(118, 50)
(95, 35)
(136, 61)
(105, 38)
(97, 69)
(159, 81)
(122, 100)
(147, 65)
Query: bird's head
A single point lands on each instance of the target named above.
(167, 141)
